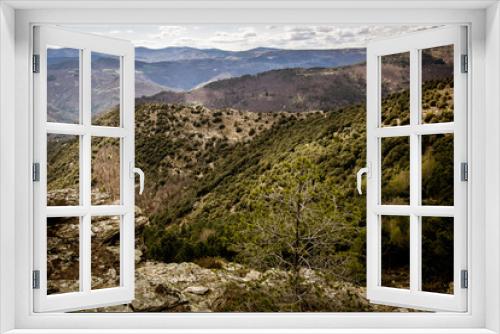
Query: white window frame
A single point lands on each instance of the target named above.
(15, 166)
(86, 44)
(414, 296)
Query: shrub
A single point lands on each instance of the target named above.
(210, 262)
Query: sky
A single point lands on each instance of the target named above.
(243, 37)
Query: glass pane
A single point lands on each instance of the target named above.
(63, 254)
(105, 252)
(63, 170)
(437, 84)
(437, 254)
(396, 251)
(105, 171)
(395, 170)
(395, 81)
(105, 93)
(63, 85)
(437, 169)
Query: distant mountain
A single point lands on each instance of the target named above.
(63, 86)
(148, 55)
(259, 80)
(176, 69)
(188, 53)
(292, 90)
(183, 69)
(307, 89)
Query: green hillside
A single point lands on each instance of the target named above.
(208, 217)
(222, 184)
(209, 213)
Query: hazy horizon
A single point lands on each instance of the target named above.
(242, 37)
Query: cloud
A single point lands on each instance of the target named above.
(346, 33)
(302, 35)
(324, 29)
(244, 37)
(165, 32)
(239, 36)
(298, 28)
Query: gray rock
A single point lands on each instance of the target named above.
(197, 290)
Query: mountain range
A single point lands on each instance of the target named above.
(176, 69)
(214, 172)
(291, 90)
(259, 80)
(183, 69)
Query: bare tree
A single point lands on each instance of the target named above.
(294, 223)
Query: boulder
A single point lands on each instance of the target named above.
(197, 290)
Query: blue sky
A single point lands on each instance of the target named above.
(244, 37)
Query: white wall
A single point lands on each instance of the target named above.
(7, 176)
(7, 112)
(493, 167)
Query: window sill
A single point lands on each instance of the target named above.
(253, 331)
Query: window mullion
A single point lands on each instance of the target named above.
(86, 166)
(415, 171)
(420, 129)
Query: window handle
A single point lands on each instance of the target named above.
(141, 179)
(364, 170)
(135, 170)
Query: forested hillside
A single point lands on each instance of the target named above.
(207, 218)
(284, 90)
(272, 193)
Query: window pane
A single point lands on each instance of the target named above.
(437, 254)
(105, 252)
(63, 253)
(63, 85)
(105, 171)
(395, 81)
(63, 170)
(106, 87)
(396, 251)
(437, 84)
(395, 170)
(437, 170)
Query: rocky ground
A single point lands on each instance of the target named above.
(211, 285)
(187, 287)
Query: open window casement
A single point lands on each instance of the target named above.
(74, 126)
(396, 65)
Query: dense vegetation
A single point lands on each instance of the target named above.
(289, 89)
(204, 222)
(208, 217)
(216, 175)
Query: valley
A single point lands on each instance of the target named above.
(239, 167)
